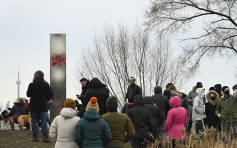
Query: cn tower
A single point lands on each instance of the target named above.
(18, 83)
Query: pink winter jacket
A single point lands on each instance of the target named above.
(176, 120)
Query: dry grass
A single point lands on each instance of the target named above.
(210, 139)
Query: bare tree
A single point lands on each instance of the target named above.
(118, 55)
(219, 36)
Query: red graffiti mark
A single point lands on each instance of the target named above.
(58, 60)
(60, 106)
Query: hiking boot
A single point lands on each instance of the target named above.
(34, 139)
(46, 141)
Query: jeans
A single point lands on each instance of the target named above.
(34, 119)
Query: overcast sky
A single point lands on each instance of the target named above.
(25, 28)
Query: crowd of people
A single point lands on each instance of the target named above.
(96, 122)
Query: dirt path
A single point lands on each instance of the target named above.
(21, 139)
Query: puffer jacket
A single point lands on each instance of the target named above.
(191, 95)
(98, 90)
(161, 101)
(141, 118)
(198, 106)
(176, 120)
(92, 131)
(121, 127)
(17, 110)
(227, 108)
(63, 127)
(155, 113)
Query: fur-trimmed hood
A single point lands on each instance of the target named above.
(19, 101)
(210, 100)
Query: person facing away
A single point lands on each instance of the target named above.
(176, 121)
(133, 90)
(162, 102)
(184, 100)
(198, 111)
(98, 90)
(40, 93)
(173, 90)
(63, 126)
(92, 131)
(167, 93)
(120, 125)
(155, 113)
(226, 110)
(142, 121)
(211, 118)
(17, 110)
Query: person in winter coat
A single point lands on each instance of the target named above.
(98, 90)
(17, 110)
(218, 88)
(84, 83)
(40, 93)
(120, 125)
(142, 122)
(162, 102)
(226, 110)
(176, 121)
(132, 91)
(63, 126)
(126, 107)
(167, 93)
(198, 111)
(155, 113)
(234, 89)
(191, 95)
(173, 90)
(184, 100)
(92, 131)
(211, 118)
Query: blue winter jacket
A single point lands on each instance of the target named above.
(92, 131)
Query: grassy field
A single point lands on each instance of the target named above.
(21, 139)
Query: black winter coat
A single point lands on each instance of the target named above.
(83, 93)
(133, 90)
(39, 92)
(211, 117)
(162, 102)
(98, 90)
(142, 121)
(17, 110)
(155, 113)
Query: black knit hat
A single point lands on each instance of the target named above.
(224, 87)
(112, 104)
(168, 85)
(199, 85)
(83, 79)
(234, 87)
